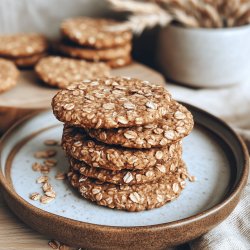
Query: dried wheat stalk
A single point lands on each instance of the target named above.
(244, 19)
(145, 15)
(189, 13)
(134, 6)
(212, 13)
(209, 16)
(182, 17)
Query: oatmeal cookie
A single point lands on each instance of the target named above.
(174, 126)
(61, 72)
(132, 198)
(77, 144)
(111, 103)
(8, 75)
(119, 62)
(126, 176)
(98, 33)
(95, 54)
(27, 61)
(22, 45)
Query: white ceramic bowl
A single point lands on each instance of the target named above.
(205, 57)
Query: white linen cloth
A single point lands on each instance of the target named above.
(232, 104)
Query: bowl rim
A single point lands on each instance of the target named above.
(119, 229)
(221, 30)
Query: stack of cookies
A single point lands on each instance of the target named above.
(25, 50)
(96, 40)
(123, 140)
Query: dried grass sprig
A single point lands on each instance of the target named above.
(145, 15)
(208, 14)
(244, 19)
(189, 13)
(182, 17)
(134, 6)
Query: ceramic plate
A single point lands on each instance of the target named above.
(212, 152)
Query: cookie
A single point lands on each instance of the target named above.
(61, 72)
(126, 176)
(21, 45)
(111, 103)
(27, 61)
(78, 145)
(8, 75)
(132, 198)
(94, 54)
(119, 62)
(176, 124)
(97, 33)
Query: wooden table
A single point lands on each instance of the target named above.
(15, 235)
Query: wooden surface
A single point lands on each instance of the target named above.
(30, 94)
(15, 235)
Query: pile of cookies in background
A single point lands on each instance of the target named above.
(123, 140)
(88, 49)
(8, 75)
(60, 72)
(96, 40)
(25, 50)
(20, 50)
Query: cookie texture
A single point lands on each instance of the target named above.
(119, 62)
(27, 61)
(8, 75)
(61, 72)
(175, 125)
(95, 54)
(125, 176)
(97, 33)
(131, 197)
(111, 103)
(77, 144)
(21, 45)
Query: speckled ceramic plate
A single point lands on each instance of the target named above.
(213, 153)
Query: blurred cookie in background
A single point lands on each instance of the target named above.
(96, 39)
(8, 75)
(61, 72)
(23, 49)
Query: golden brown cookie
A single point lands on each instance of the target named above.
(111, 103)
(119, 62)
(8, 75)
(78, 145)
(95, 54)
(177, 123)
(98, 33)
(132, 198)
(27, 61)
(126, 176)
(61, 72)
(22, 45)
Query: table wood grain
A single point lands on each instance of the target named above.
(15, 235)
